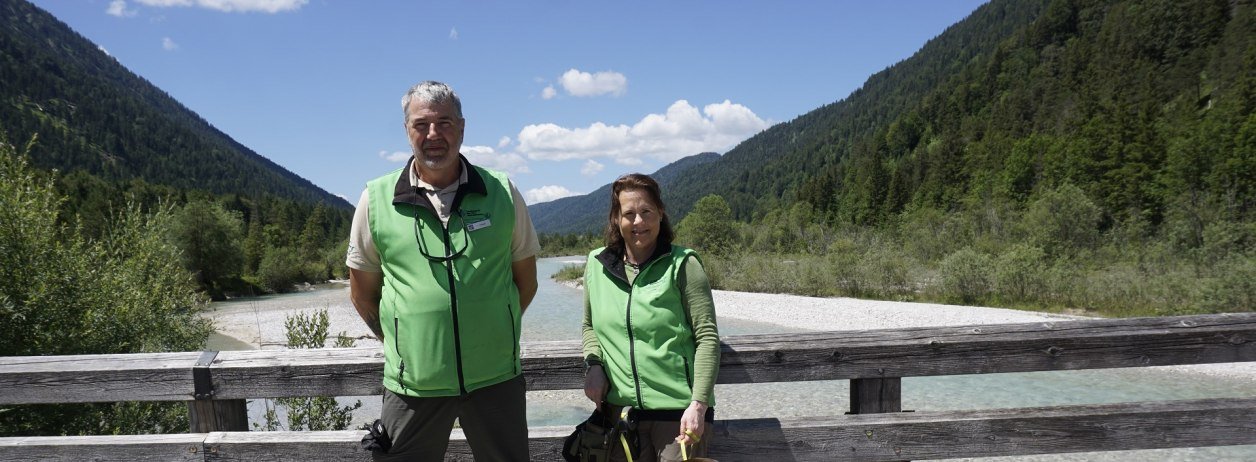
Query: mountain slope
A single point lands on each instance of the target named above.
(587, 213)
(761, 172)
(1144, 105)
(93, 114)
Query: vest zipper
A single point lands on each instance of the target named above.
(688, 380)
(401, 370)
(453, 311)
(511, 316)
(632, 343)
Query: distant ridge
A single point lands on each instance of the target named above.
(93, 114)
(587, 213)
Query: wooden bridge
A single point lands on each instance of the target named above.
(216, 384)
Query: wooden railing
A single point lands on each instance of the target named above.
(874, 361)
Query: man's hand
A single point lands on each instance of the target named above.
(365, 289)
(524, 272)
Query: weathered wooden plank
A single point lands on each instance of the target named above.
(306, 372)
(1064, 345)
(1067, 345)
(544, 444)
(322, 446)
(989, 433)
(186, 447)
(866, 437)
(96, 378)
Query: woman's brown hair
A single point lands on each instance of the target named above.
(636, 182)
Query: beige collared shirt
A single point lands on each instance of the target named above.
(363, 255)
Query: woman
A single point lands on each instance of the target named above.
(650, 338)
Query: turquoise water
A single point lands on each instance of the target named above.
(555, 315)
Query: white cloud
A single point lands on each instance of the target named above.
(591, 167)
(546, 194)
(453, 33)
(680, 132)
(232, 6)
(168, 45)
(396, 156)
(503, 142)
(103, 50)
(118, 8)
(485, 156)
(549, 92)
(579, 83)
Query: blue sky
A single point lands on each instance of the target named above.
(563, 95)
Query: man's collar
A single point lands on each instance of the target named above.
(407, 193)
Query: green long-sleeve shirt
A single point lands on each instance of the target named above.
(699, 309)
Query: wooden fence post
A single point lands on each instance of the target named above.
(206, 414)
(874, 396)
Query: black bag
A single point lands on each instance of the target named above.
(376, 438)
(591, 442)
(596, 437)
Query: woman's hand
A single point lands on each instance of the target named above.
(595, 384)
(694, 421)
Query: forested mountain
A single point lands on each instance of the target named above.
(122, 146)
(94, 115)
(1144, 105)
(587, 213)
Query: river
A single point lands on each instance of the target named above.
(555, 315)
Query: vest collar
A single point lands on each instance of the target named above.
(406, 193)
(614, 261)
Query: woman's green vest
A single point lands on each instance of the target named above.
(451, 325)
(646, 340)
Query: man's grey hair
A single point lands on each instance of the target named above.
(431, 91)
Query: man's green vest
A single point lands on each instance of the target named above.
(647, 343)
(451, 325)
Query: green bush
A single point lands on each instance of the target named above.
(885, 272)
(569, 273)
(1018, 273)
(965, 275)
(319, 413)
(62, 294)
(1063, 220)
(280, 268)
(709, 226)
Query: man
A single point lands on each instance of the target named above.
(442, 265)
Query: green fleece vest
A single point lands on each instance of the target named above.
(647, 343)
(450, 327)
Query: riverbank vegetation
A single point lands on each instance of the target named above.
(1053, 254)
(93, 267)
(233, 244)
(62, 292)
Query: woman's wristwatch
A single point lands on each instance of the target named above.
(590, 361)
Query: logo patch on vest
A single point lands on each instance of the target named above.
(479, 224)
(476, 220)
